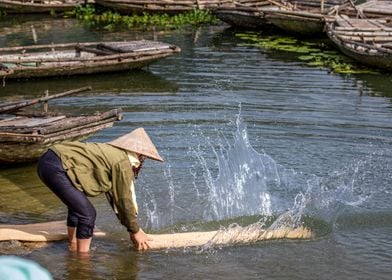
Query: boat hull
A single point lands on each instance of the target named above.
(242, 19)
(80, 59)
(377, 60)
(299, 24)
(78, 69)
(368, 41)
(17, 147)
(16, 7)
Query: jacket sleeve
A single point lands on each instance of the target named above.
(120, 197)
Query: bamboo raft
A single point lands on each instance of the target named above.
(24, 136)
(369, 41)
(369, 9)
(245, 13)
(54, 231)
(39, 6)
(305, 17)
(80, 58)
(160, 6)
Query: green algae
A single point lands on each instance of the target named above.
(110, 19)
(311, 53)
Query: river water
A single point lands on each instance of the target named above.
(248, 135)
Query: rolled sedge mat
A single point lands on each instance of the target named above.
(238, 235)
(54, 231)
(38, 232)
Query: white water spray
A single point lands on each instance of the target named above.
(230, 179)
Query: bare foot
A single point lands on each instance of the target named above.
(72, 247)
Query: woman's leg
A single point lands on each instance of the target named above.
(81, 213)
(72, 245)
(83, 245)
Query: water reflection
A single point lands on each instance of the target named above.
(21, 183)
(140, 82)
(33, 29)
(376, 85)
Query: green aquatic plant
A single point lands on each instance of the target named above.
(312, 53)
(110, 19)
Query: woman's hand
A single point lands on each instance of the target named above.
(140, 240)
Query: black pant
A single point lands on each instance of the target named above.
(81, 213)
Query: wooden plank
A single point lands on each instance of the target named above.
(31, 122)
(365, 39)
(9, 119)
(79, 132)
(365, 34)
(354, 29)
(82, 120)
(387, 45)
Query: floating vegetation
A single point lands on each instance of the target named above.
(312, 53)
(111, 19)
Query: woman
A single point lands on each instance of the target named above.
(77, 170)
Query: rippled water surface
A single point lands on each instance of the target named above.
(246, 133)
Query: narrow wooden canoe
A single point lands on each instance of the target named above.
(305, 22)
(39, 6)
(80, 58)
(369, 41)
(305, 17)
(159, 6)
(245, 13)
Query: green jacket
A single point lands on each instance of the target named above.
(96, 168)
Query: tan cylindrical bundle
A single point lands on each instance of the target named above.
(225, 237)
(54, 231)
(38, 232)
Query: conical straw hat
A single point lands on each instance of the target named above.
(137, 141)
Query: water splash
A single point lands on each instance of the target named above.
(252, 183)
(229, 180)
(244, 177)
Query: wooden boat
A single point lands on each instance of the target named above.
(305, 17)
(245, 13)
(39, 6)
(369, 9)
(80, 58)
(369, 41)
(159, 6)
(24, 135)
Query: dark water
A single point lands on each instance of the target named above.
(246, 133)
